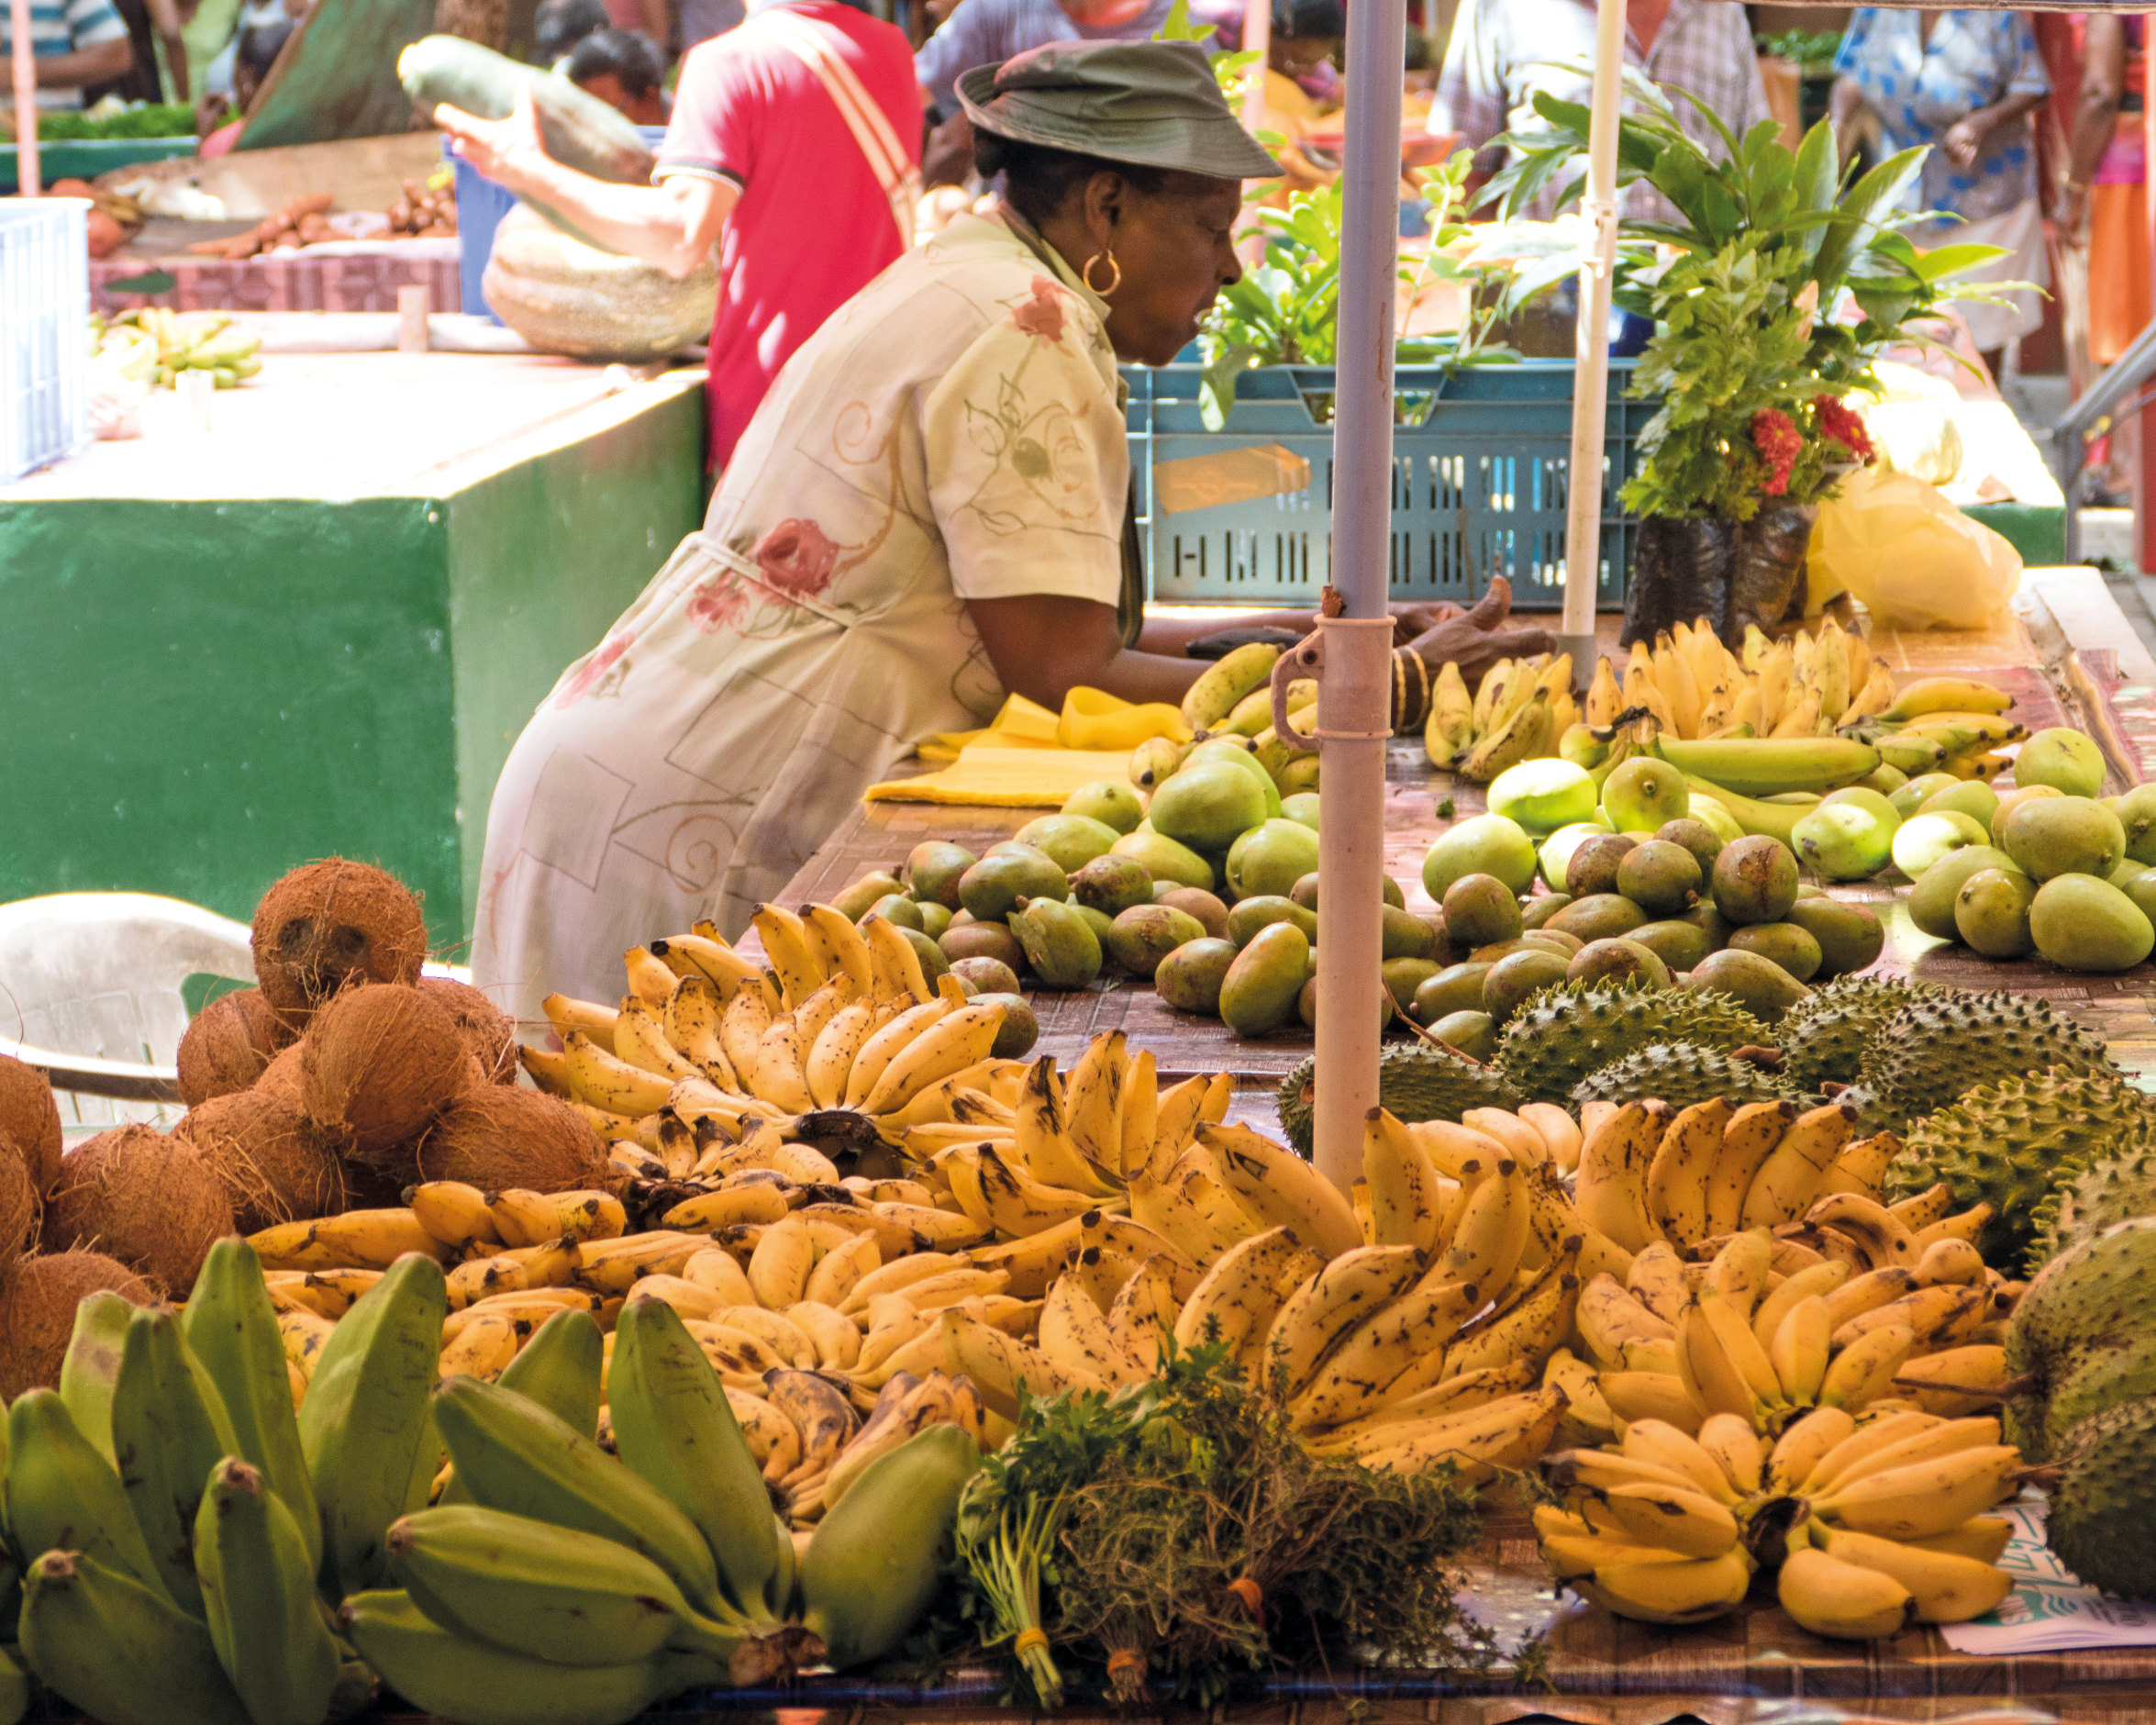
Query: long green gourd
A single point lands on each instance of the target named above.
(581, 131)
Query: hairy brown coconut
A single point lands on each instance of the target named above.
(229, 1045)
(18, 1208)
(37, 1299)
(284, 1077)
(497, 1136)
(489, 1033)
(147, 1199)
(29, 1121)
(267, 1155)
(380, 1062)
(331, 924)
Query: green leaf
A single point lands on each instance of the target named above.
(1861, 215)
(1216, 384)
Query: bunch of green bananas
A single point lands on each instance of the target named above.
(554, 1583)
(181, 1588)
(185, 341)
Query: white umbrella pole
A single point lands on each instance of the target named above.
(1583, 527)
(1258, 40)
(1355, 685)
(26, 99)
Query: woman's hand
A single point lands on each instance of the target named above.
(1411, 621)
(1965, 138)
(511, 152)
(1476, 639)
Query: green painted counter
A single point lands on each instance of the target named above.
(320, 628)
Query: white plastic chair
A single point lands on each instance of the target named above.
(89, 991)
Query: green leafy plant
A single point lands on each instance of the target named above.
(1179, 1531)
(1782, 280)
(1285, 309)
(151, 119)
(1813, 51)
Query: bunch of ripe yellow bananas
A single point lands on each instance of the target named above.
(1814, 1292)
(1693, 686)
(1517, 713)
(1874, 1507)
(842, 1018)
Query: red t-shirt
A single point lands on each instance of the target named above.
(813, 226)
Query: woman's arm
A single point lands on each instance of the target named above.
(1965, 140)
(1043, 645)
(2095, 116)
(1843, 108)
(165, 19)
(1173, 635)
(672, 226)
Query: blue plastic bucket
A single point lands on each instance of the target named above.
(481, 205)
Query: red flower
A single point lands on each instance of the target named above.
(1042, 314)
(796, 559)
(588, 676)
(717, 605)
(1843, 426)
(1777, 439)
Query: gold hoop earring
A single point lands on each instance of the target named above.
(1115, 273)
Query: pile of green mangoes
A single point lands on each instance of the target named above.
(2046, 868)
(1653, 886)
(1225, 930)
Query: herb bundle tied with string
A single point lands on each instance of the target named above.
(1177, 1534)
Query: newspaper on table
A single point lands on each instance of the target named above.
(2049, 1611)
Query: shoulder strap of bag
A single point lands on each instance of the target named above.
(870, 128)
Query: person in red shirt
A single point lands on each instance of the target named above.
(793, 147)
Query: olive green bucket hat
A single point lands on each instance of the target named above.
(1152, 104)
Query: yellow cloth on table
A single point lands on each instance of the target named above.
(1017, 778)
(1092, 720)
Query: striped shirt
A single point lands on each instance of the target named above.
(988, 32)
(1502, 52)
(64, 26)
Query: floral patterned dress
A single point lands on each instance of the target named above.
(955, 432)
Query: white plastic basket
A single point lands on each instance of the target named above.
(44, 331)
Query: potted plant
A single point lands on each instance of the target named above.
(1285, 309)
(1779, 284)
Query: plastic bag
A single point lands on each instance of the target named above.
(1914, 560)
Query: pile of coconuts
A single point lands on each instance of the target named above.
(341, 1078)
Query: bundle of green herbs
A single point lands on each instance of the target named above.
(1177, 1533)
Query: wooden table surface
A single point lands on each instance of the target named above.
(2053, 684)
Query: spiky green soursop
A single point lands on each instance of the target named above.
(2083, 1335)
(1823, 1036)
(2115, 1188)
(1563, 1034)
(1414, 1082)
(1941, 1045)
(2012, 1144)
(2102, 1522)
(1681, 1073)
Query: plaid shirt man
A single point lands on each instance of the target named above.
(1502, 52)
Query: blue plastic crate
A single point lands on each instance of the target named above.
(1479, 485)
(481, 205)
(44, 331)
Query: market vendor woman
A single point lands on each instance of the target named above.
(928, 511)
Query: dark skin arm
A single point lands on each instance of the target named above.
(1045, 645)
(2095, 114)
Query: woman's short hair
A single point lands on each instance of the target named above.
(558, 25)
(1309, 18)
(1039, 181)
(631, 56)
(259, 44)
